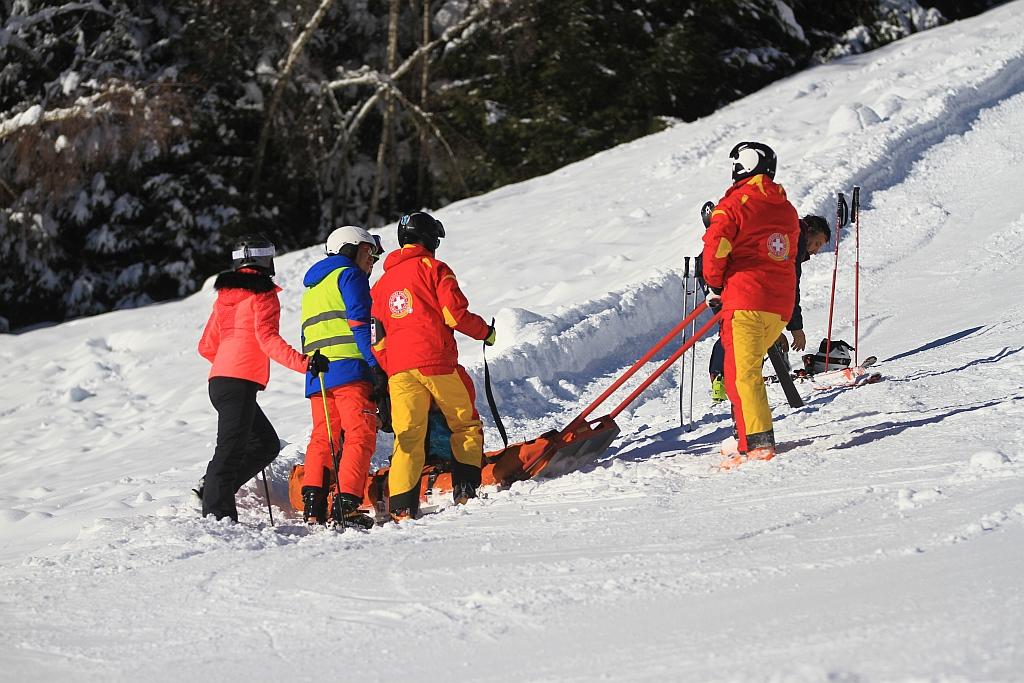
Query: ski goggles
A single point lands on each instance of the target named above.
(377, 249)
(252, 252)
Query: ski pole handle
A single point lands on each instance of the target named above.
(855, 210)
(842, 213)
(686, 270)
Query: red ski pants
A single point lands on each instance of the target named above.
(747, 336)
(354, 416)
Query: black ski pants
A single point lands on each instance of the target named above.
(246, 443)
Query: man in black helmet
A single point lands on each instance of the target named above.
(417, 307)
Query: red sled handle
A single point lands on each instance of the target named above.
(700, 308)
(668, 362)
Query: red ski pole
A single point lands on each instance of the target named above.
(855, 212)
(842, 215)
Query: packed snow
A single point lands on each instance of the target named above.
(885, 542)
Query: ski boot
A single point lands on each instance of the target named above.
(761, 446)
(314, 505)
(345, 511)
(718, 389)
(198, 490)
(462, 492)
(765, 453)
(402, 514)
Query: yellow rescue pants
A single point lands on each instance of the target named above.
(411, 396)
(747, 336)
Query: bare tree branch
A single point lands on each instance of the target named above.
(389, 110)
(411, 60)
(427, 123)
(105, 102)
(282, 81)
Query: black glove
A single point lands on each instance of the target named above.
(379, 380)
(384, 414)
(714, 299)
(318, 363)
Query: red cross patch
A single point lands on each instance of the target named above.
(778, 246)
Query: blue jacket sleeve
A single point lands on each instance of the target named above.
(354, 286)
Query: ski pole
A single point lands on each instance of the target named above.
(266, 489)
(693, 349)
(842, 215)
(856, 274)
(686, 311)
(335, 456)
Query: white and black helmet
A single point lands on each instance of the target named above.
(838, 357)
(254, 251)
(351, 234)
(752, 158)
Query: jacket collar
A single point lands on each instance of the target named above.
(409, 251)
(245, 278)
(324, 267)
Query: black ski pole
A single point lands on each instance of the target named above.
(266, 489)
(693, 350)
(686, 312)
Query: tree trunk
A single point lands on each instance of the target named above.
(282, 81)
(389, 110)
(421, 166)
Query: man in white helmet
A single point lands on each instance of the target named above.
(336, 332)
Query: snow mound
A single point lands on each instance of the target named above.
(988, 460)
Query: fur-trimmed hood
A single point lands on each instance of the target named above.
(246, 278)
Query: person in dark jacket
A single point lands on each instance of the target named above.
(240, 337)
(814, 234)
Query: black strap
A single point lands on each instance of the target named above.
(490, 397)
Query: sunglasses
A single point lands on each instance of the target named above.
(377, 249)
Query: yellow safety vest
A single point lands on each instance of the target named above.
(324, 321)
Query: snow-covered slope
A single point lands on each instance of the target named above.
(886, 542)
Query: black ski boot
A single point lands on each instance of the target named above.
(314, 504)
(198, 490)
(465, 479)
(345, 511)
(462, 492)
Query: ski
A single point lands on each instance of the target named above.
(784, 378)
(847, 377)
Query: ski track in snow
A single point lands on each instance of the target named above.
(884, 542)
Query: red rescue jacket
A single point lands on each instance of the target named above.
(750, 249)
(242, 334)
(419, 304)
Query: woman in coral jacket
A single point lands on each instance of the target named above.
(748, 263)
(240, 338)
(417, 307)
